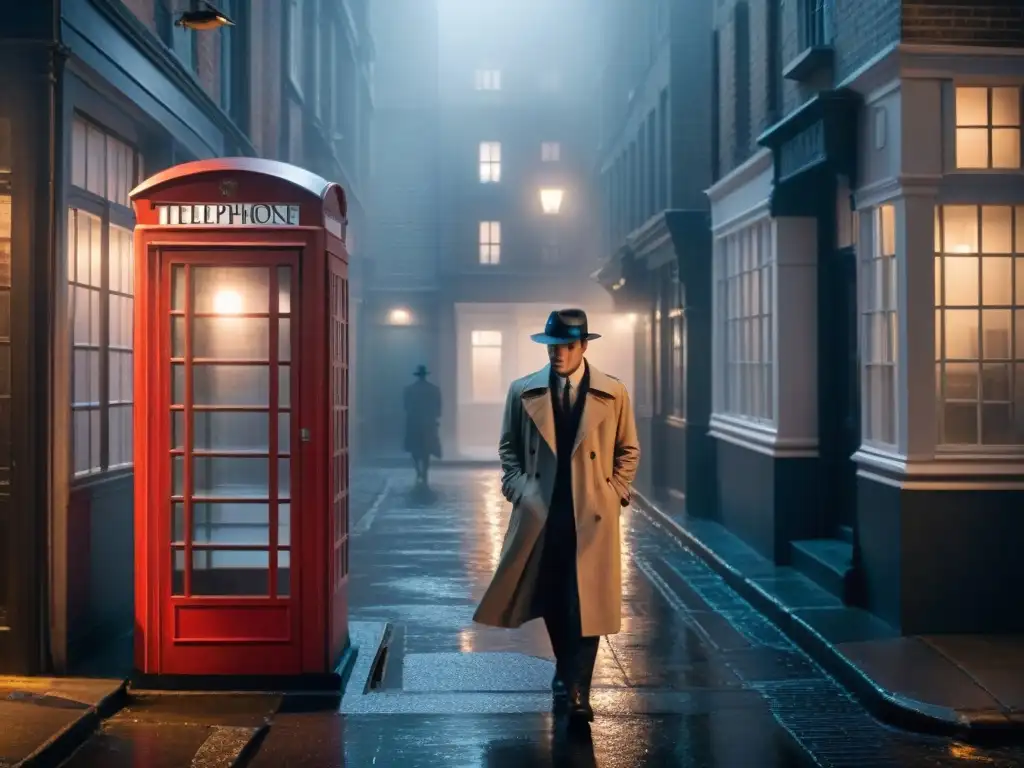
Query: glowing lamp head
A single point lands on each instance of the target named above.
(551, 200)
(399, 316)
(203, 19)
(227, 303)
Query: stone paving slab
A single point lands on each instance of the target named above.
(967, 687)
(44, 719)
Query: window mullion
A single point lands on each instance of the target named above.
(104, 352)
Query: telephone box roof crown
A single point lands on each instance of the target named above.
(565, 326)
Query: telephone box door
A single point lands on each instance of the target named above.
(229, 586)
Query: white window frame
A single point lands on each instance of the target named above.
(490, 243)
(550, 152)
(488, 80)
(490, 162)
(745, 372)
(1004, 403)
(878, 309)
(992, 125)
(100, 299)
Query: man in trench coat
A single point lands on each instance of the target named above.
(422, 402)
(569, 452)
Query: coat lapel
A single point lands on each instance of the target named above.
(597, 406)
(537, 404)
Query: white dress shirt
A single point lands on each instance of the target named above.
(573, 381)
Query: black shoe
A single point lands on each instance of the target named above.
(558, 688)
(579, 705)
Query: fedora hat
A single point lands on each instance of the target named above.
(421, 371)
(565, 326)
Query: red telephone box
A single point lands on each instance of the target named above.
(241, 421)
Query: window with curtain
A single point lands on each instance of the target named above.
(979, 324)
(100, 266)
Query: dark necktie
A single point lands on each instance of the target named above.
(566, 403)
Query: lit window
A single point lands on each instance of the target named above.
(488, 79)
(550, 152)
(100, 298)
(979, 324)
(490, 162)
(490, 242)
(5, 298)
(745, 269)
(677, 346)
(878, 335)
(551, 201)
(487, 381)
(988, 127)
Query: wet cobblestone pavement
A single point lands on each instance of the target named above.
(695, 678)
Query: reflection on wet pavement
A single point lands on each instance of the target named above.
(695, 678)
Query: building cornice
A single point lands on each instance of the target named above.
(757, 164)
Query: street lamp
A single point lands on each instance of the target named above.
(203, 19)
(551, 200)
(399, 316)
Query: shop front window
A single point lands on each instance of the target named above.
(979, 324)
(101, 267)
(878, 330)
(745, 269)
(677, 339)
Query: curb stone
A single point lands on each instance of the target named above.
(892, 708)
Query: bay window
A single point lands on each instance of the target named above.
(878, 330)
(100, 271)
(979, 324)
(745, 272)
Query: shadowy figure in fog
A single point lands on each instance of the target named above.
(422, 417)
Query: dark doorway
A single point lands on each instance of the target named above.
(840, 388)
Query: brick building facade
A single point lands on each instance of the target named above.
(866, 378)
(96, 95)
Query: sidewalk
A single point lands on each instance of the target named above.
(965, 686)
(46, 718)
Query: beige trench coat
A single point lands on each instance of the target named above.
(604, 463)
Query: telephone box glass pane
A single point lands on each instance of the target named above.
(284, 433)
(226, 431)
(178, 572)
(231, 290)
(231, 523)
(284, 524)
(230, 477)
(284, 386)
(178, 336)
(177, 287)
(231, 338)
(284, 290)
(228, 572)
(231, 385)
(284, 573)
(284, 339)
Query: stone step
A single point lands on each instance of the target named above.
(825, 561)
